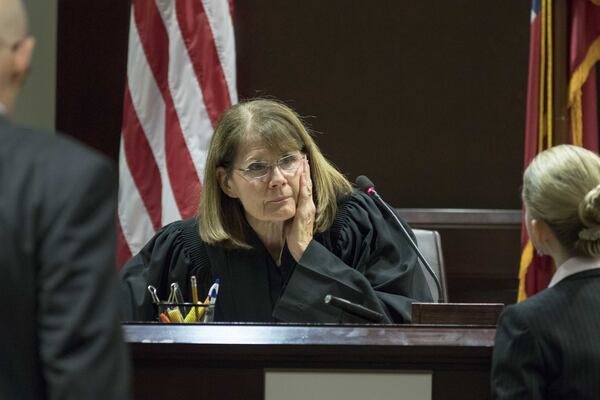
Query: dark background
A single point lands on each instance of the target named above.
(426, 98)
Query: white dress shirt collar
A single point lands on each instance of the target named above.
(572, 266)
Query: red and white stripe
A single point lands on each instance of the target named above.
(180, 79)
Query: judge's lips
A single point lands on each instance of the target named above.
(278, 200)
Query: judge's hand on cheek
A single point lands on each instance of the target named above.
(300, 229)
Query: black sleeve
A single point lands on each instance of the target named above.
(368, 262)
(517, 365)
(80, 338)
(165, 259)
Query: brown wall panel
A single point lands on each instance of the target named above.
(482, 265)
(91, 71)
(427, 98)
(481, 250)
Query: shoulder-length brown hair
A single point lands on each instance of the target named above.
(222, 219)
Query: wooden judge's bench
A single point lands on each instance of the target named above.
(445, 355)
(255, 361)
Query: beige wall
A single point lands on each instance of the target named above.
(36, 103)
(297, 384)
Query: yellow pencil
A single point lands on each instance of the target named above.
(196, 315)
(195, 294)
(174, 314)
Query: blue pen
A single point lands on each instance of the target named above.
(212, 297)
(213, 292)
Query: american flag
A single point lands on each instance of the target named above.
(180, 78)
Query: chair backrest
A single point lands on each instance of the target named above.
(430, 244)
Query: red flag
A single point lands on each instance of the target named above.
(536, 271)
(584, 54)
(180, 79)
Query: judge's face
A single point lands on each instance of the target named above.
(269, 197)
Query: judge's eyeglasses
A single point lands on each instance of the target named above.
(262, 170)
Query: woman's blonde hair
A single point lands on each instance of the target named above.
(561, 186)
(222, 219)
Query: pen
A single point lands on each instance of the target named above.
(213, 292)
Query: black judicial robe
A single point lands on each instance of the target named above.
(363, 257)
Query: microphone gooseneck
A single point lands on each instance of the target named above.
(367, 186)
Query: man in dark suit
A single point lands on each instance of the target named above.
(60, 335)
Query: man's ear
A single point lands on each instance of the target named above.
(226, 187)
(22, 58)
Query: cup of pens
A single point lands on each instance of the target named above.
(176, 310)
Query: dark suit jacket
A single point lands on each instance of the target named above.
(548, 347)
(60, 335)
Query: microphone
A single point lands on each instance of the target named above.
(368, 187)
(354, 309)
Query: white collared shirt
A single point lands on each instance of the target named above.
(572, 266)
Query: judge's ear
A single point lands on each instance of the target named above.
(225, 184)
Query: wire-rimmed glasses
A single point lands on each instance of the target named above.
(262, 170)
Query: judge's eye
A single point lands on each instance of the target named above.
(258, 167)
(288, 162)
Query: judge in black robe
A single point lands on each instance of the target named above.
(360, 255)
(363, 258)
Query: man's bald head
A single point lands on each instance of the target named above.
(13, 21)
(16, 48)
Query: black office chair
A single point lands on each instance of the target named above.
(430, 244)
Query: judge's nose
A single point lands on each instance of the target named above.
(277, 178)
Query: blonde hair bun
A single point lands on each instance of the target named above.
(589, 209)
(589, 215)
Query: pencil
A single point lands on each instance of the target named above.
(189, 318)
(164, 318)
(195, 294)
(175, 315)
